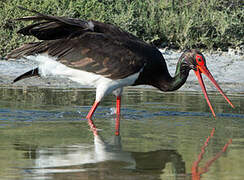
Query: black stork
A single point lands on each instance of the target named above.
(103, 56)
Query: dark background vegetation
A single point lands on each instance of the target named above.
(207, 24)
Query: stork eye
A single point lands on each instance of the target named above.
(199, 60)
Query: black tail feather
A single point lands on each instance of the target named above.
(33, 72)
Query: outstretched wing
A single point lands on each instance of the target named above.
(53, 27)
(86, 45)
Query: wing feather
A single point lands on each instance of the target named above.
(100, 54)
(86, 45)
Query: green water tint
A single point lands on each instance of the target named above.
(44, 135)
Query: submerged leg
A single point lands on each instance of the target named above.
(118, 93)
(89, 116)
(93, 127)
(117, 124)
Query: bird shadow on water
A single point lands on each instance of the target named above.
(108, 160)
(159, 159)
(102, 160)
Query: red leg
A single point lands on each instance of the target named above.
(118, 104)
(89, 116)
(93, 109)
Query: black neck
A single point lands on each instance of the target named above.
(173, 83)
(181, 74)
(156, 73)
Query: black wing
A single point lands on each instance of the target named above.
(86, 45)
(54, 27)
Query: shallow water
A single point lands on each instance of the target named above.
(44, 135)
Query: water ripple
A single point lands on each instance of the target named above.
(177, 113)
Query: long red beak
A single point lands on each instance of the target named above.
(203, 69)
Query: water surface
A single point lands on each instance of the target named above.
(44, 135)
